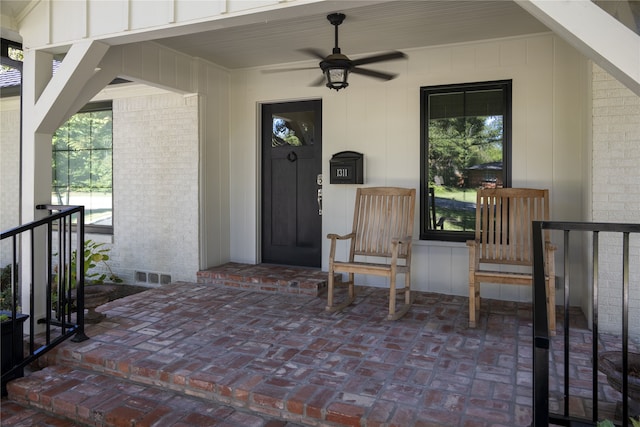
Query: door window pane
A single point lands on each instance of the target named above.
(293, 129)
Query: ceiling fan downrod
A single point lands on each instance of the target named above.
(336, 19)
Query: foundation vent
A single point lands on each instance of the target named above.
(152, 278)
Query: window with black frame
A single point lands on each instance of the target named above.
(11, 56)
(83, 165)
(465, 145)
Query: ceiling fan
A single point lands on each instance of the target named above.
(337, 66)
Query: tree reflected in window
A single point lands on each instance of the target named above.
(293, 129)
(465, 146)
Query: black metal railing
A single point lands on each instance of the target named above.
(55, 266)
(541, 339)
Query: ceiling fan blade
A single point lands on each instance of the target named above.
(313, 52)
(375, 74)
(318, 82)
(281, 70)
(379, 58)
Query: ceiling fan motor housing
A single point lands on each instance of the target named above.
(336, 60)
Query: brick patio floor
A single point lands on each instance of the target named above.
(194, 354)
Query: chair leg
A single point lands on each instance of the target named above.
(330, 288)
(474, 303)
(392, 297)
(352, 286)
(551, 305)
(407, 288)
(397, 314)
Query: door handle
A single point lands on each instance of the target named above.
(320, 201)
(292, 156)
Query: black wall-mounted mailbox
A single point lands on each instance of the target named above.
(346, 167)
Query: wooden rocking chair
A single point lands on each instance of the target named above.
(503, 237)
(382, 229)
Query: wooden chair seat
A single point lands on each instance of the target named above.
(382, 230)
(503, 278)
(503, 236)
(368, 268)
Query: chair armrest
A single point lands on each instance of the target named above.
(333, 236)
(332, 246)
(401, 240)
(474, 255)
(396, 242)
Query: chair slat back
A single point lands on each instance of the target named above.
(503, 223)
(381, 214)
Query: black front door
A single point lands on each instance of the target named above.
(292, 183)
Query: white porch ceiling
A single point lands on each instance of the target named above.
(267, 36)
(393, 25)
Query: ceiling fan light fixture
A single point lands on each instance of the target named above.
(336, 71)
(337, 78)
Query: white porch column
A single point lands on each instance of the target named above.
(48, 101)
(35, 173)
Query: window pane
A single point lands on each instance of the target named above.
(79, 169)
(451, 144)
(446, 105)
(101, 129)
(97, 206)
(15, 53)
(60, 169)
(484, 103)
(79, 132)
(293, 129)
(101, 170)
(464, 149)
(61, 138)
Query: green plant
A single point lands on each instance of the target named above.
(5, 291)
(608, 423)
(94, 254)
(6, 295)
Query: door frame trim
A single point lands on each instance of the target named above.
(258, 181)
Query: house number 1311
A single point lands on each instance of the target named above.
(342, 173)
